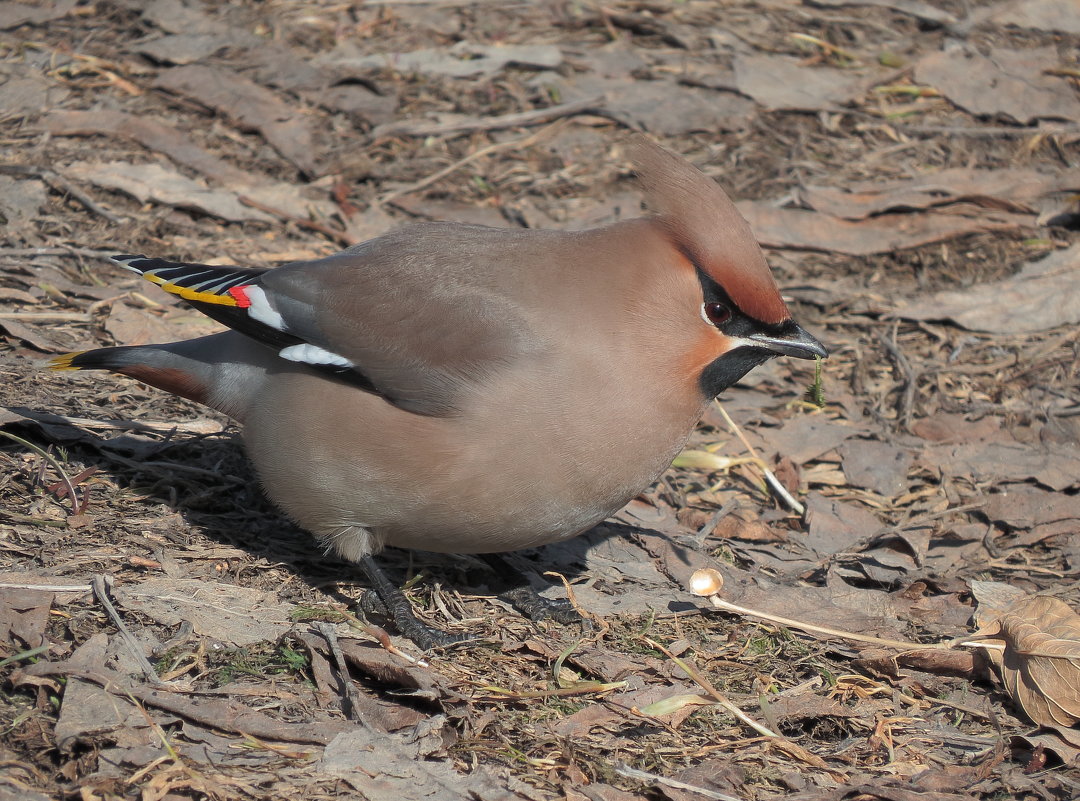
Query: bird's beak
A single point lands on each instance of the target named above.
(794, 341)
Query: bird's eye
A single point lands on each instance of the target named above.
(716, 313)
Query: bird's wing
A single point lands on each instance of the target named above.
(384, 316)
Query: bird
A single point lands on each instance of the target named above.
(475, 390)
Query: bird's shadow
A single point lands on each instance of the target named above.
(209, 482)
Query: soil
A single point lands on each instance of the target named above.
(935, 466)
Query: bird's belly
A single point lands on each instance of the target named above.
(481, 483)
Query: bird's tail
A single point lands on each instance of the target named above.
(100, 359)
(158, 365)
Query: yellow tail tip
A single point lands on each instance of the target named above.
(63, 361)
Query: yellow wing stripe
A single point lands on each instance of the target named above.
(191, 294)
(204, 297)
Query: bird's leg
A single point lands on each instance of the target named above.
(514, 588)
(399, 609)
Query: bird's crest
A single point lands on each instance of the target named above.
(703, 222)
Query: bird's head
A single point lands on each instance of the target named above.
(743, 319)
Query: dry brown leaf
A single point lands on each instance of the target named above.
(1035, 646)
(800, 229)
(1041, 296)
(1042, 15)
(251, 107)
(1014, 83)
(164, 185)
(1063, 742)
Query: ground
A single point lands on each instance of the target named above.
(910, 168)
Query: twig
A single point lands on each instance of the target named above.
(352, 696)
(905, 645)
(989, 131)
(518, 119)
(54, 317)
(76, 503)
(176, 467)
(770, 477)
(905, 404)
(707, 686)
(194, 427)
(524, 142)
(379, 634)
(47, 587)
(31, 252)
(604, 626)
(652, 778)
(714, 521)
(62, 185)
(101, 593)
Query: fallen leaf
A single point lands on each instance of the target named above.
(1055, 466)
(676, 703)
(162, 185)
(226, 612)
(13, 15)
(175, 16)
(835, 526)
(807, 437)
(1025, 506)
(660, 106)
(594, 715)
(132, 326)
(939, 661)
(89, 710)
(783, 83)
(149, 133)
(1006, 82)
(1012, 190)
(20, 203)
(913, 8)
(876, 466)
(451, 211)
(806, 706)
(183, 48)
(24, 614)
(708, 778)
(947, 427)
(669, 109)
(808, 230)
(27, 91)
(353, 99)
(30, 335)
(1035, 646)
(463, 60)
(249, 106)
(1058, 16)
(1063, 742)
(1043, 295)
(389, 765)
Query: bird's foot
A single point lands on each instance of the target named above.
(372, 606)
(536, 607)
(387, 601)
(408, 625)
(427, 637)
(516, 590)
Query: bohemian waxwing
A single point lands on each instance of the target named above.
(464, 389)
